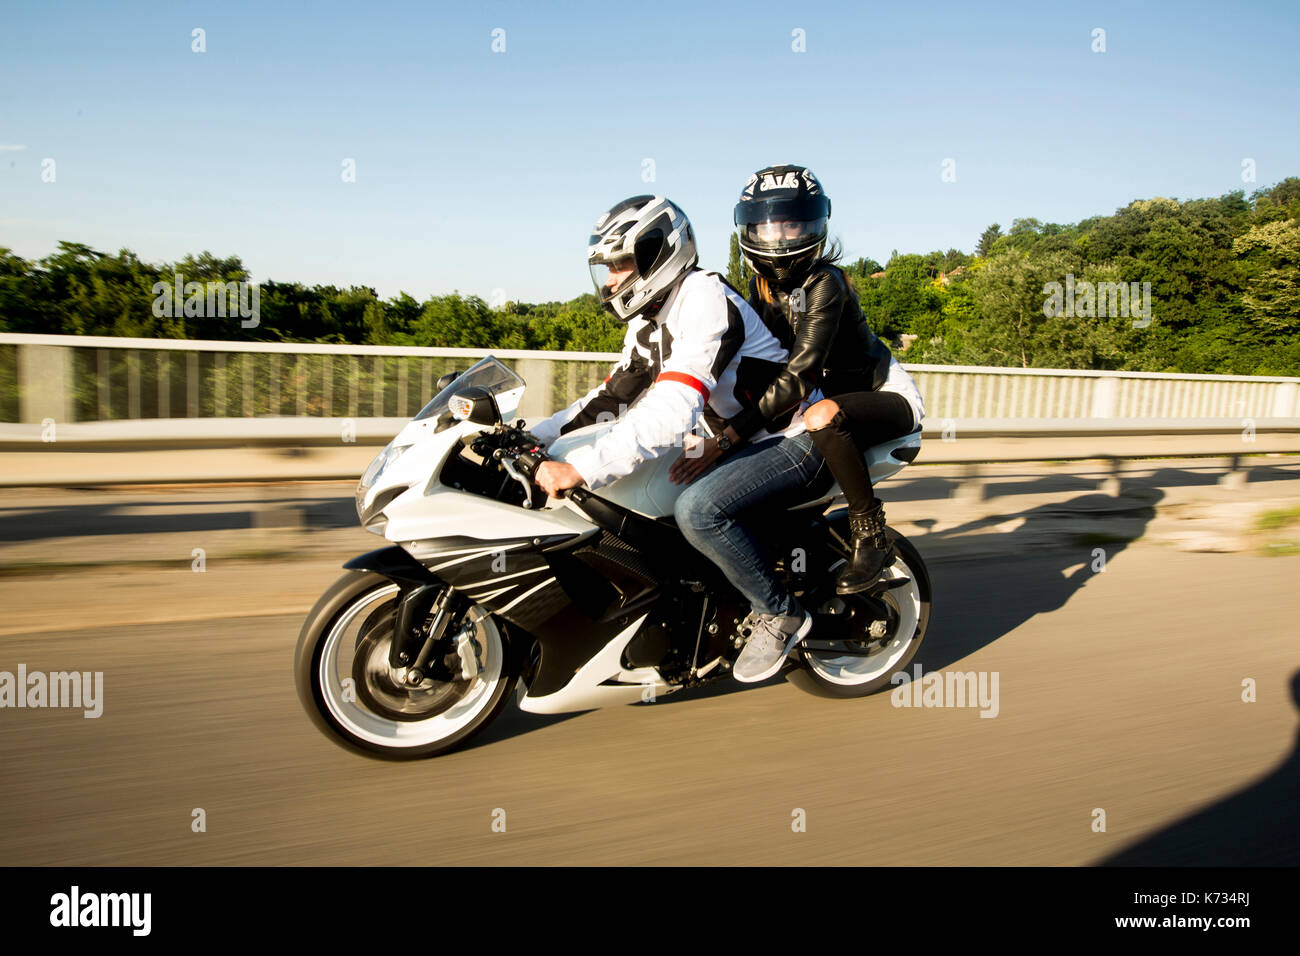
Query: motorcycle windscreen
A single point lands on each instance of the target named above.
(491, 374)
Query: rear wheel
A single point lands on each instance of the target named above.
(351, 692)
(876, 636)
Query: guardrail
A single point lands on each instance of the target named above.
(92, 379)
(235, 411)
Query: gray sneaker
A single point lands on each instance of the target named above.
(771, 639)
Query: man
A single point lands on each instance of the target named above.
(693, 348)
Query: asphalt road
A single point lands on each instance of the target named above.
(1118, 691)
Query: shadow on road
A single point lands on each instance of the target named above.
(1257, 826)
(512, 722)
(976, 602)
(919, 486)
(1048, 555)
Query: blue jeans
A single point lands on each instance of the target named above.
(713, 510)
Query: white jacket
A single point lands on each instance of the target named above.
(704, 349)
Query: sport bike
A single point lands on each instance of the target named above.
(489, 587)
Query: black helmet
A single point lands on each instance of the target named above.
(637, 251)
(781, 221)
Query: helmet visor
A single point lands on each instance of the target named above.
(807, 208)
(782, 235)
(612, 276)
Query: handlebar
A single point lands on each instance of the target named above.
(529, 461)
(519, 457)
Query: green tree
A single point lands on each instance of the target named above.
(738, 273)
(987, 238)
(1273, 296)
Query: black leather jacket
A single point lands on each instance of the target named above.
(831, 347)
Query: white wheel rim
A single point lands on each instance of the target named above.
(850, 669)
(370, 727)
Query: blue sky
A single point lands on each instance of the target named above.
(481, 171)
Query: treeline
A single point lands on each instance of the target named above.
(1223, 274)
(81, 291)
(1223, 277)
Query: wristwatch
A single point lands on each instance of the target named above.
(724, 443)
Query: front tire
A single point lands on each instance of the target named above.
(341, 674)
(868, 670)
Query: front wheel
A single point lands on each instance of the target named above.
(356, 698)
(876, 636)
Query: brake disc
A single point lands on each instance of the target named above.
(384, 689)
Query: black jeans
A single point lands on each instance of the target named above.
(864, 419)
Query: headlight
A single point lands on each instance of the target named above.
(371, 475)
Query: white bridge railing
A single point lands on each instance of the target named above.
(101, 379)
(117, 410)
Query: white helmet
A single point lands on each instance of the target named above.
(637, 252)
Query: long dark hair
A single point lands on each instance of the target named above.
(830, 256)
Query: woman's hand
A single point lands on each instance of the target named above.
(557, 476)
(699, 457)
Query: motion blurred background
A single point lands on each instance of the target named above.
(365, 197)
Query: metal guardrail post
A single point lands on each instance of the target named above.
(246, 382)
(274, 407)
(354, 385)
(537, 397)
(301, 384)
(163, 365)
(1105, 394)
(327, 386)
(219, 384)
(45, 383)
(102, 395)
(1286, 400)
(132, 383)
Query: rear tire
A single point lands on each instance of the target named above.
(845, 676)
(349, 619)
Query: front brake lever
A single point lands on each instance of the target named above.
(513, 472)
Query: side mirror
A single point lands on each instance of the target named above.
(475, 405)
(447, 379)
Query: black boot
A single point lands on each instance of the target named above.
(872, 552)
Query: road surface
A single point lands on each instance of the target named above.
(1118, 691)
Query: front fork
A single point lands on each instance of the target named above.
(423, 615)
(426, 608)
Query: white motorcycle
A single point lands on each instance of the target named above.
(582, 602)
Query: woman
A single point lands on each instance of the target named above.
(840, 383)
